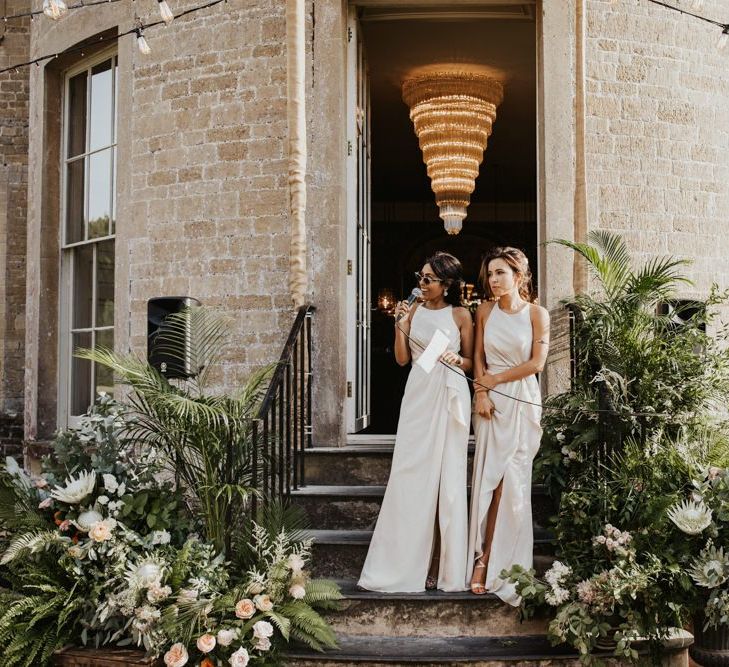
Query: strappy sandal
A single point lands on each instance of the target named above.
(476, 588)
(431, 581)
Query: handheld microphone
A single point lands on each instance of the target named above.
(414, 296)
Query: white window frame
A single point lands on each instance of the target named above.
(66, 301)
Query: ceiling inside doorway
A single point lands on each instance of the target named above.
(507, 47)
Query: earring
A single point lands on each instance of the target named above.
(445, 293)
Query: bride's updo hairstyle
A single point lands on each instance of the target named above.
(519, 264)
(446, 267)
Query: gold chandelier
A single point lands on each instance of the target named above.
(452, 113)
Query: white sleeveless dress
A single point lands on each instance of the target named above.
(505, 448)
(428, 473)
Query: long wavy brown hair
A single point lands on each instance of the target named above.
(518, 263)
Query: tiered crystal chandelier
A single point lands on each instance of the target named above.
(452, 113)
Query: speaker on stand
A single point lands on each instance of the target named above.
(170, 361)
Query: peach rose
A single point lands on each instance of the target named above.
(245, 608)
(100, 531)
(205, 643)
(176, 656)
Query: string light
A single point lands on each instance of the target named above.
(165, 12)
(142, 43)
(111, 38)
(695, 6)
(724, 39)
(54, 9)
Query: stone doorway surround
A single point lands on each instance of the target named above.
(556, 29)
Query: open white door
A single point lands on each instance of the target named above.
(358, 230)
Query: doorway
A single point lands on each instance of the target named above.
(403, 226)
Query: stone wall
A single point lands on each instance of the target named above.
(658, 131)
(14, 48)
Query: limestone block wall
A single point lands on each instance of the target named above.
(658, 131)
(202, 193)
(13, 207)
(206, 208)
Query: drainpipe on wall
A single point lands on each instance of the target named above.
(296, 93)
(579, 268)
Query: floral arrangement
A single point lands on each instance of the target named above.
(635, 453)
(102, 550)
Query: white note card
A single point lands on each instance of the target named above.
(437, 346)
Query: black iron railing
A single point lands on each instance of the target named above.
(282, 431)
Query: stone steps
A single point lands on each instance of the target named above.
(514, 650)
(341, 554)
(356, 506)
(426, 614)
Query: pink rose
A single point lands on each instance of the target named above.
(245, 608)
(45, 504)
(262, 630)
(262, 644)
(64, 525)
(205, 643)
(176, 656)
(297, 591)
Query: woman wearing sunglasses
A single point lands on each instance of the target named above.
(512, 338)
(421, 534)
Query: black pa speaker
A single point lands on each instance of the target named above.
(172, 363)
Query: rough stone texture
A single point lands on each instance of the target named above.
(657, 131)
(13, 205)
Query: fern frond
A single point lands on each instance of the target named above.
(33, 542)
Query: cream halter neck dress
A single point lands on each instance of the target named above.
(505, 448)
(428, 473)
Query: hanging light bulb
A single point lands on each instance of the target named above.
(142, 44)
(55, 9)
(724, 39)
(165, 11)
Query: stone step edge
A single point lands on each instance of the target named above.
(460, 649)
(363, 537)
(360, 490)
(349, 590)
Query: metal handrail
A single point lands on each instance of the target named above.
(282, 430)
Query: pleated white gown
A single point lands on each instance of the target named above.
(428, 473)
(505, 448)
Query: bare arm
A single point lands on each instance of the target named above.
(402, 330)
(465, 325)
(479, 356)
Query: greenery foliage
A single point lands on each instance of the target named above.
(630, 450)
(140, 532)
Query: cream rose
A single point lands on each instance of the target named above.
(176, 656)
(262, 630)
(262, 644)
(263, 602)
(100, 531)
(296, 563)
(245, 608)
(226, 637)
(205, 643)
(297, 591)
(240, 658)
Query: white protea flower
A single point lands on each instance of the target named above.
(711, 568)
(76, 489)
(145, 573)
(87, 519)
(690, 516)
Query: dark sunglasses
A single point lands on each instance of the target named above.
(426, 280)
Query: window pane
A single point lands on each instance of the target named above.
(105, 284)
(80, 376)
(75, 201)
(99, 193)
(101, 102)
(83, 276)
(77, 115)
(113, 194)
(104, 375)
